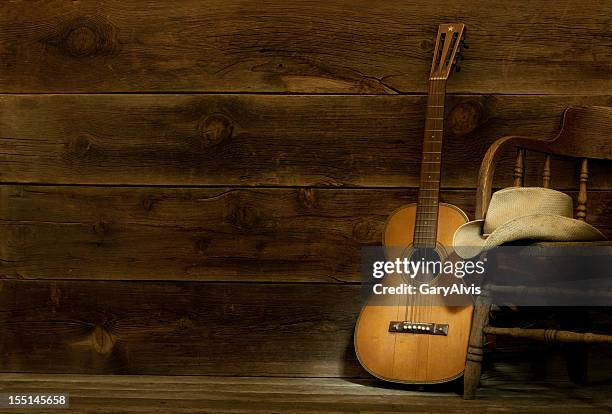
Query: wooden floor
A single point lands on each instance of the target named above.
(500, 393)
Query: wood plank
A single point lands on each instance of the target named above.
(301, 46)
(215, 234)
(178, 328)
(269, 140)
(193, 234)
(167, 394)
(244, 329)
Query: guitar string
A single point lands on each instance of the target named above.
(434, 216)
(419, 227)
(429, 221)
(417, 231)
(425, 205)
(440, 98)
(428, 203)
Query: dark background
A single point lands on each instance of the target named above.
(186, 186)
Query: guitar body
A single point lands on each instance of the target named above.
(415, 358)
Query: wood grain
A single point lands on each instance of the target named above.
(193, 234)
(178, 328)
(335, 46)
(215, 234)
(122, 394)
(243, 329)
(270, 140)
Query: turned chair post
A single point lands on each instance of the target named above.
(519, 167)
(473, 365)
(546, 172)
(581, 209)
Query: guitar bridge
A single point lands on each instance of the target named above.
(418, 328)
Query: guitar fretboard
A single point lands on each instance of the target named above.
(429, 189)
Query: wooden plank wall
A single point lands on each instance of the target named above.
(185, 188)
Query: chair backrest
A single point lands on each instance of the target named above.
(586, 133)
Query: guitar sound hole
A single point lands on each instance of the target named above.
(430, 263)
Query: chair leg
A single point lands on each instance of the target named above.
(576, 354)
(538, 356)
(471, 376)
(576, 361)
(473, 365)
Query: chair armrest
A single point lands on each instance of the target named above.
(487, 167)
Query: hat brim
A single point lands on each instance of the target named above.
(468, 240)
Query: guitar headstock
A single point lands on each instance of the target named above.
(448, 47)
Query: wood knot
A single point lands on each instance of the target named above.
(55, 294)
(185, 324)
(102, 228)
(148, 203)
(102, 340)
(464, 118)
(306, 197)
(232, 309)
(86, 37)
(81, 41)
(202, 245)
(80, 145)
(214, 129)
(243, 217)
(364, 231)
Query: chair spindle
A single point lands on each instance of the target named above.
(519, 167)
(582, 193)
(546, 172)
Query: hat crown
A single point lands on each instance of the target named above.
(514, 202)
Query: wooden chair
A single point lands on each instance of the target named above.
(586, 134)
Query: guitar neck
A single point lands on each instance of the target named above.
(429, 188)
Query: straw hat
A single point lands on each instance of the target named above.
(523, 213)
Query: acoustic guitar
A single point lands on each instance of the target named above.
(418, 338)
